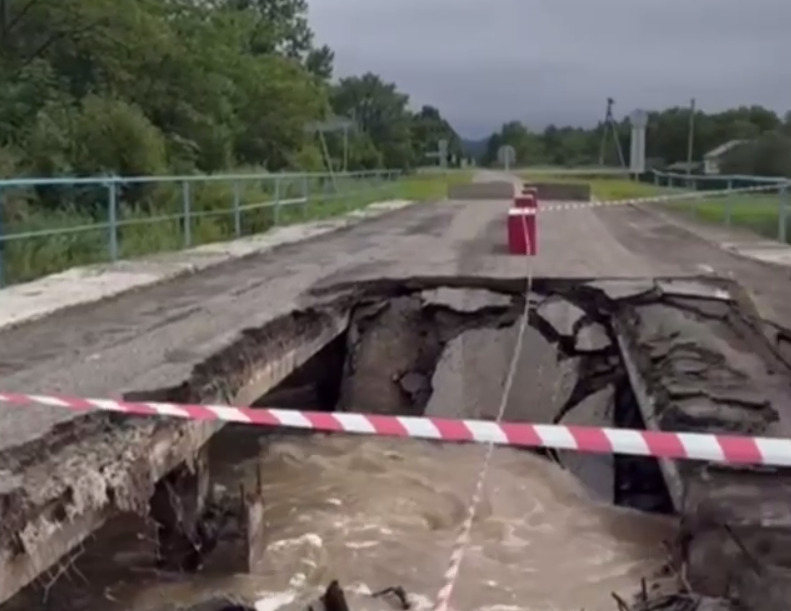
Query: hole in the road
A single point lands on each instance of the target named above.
(397, 355)
(441, 352)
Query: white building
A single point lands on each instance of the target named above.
(712, 159)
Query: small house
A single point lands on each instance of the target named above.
(684, 167)
(713, 159)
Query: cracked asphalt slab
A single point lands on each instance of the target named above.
(155, 337)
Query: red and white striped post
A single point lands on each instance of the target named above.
(528, 198)
(522, 231)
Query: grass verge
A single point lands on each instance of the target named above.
(602, 187)
(757, 213)
(77, 233)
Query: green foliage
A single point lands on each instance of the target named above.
(153, 87)
(768, 151)
(767, 155)
(158, 86)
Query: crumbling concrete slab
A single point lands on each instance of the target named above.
(535, 395)
(692, 370)
(597, 471)
(592, 338)
(51, 507)
(624, 289)
(693, 288)
(561, 315)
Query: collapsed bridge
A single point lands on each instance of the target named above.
(613, 340)
(671, 353)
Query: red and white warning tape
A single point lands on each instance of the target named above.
(599, 440)
(451, 575)
(671, 197)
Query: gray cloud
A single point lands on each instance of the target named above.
(544, 61)
(483, 62)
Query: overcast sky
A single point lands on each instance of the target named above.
(556, 61)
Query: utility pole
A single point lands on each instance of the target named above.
(691, 136)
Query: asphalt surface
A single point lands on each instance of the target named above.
(153, 337)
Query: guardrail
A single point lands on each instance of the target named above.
(713, 181)
(50, 224)
(766, 210)
(580, 171)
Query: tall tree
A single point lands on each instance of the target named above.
(428, 128)
(381, 112)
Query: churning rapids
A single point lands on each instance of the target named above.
(375, 513)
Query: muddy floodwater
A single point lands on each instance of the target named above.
(378, 513)
(375, 513)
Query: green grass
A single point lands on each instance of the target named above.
(212, 217)
(757, 213)
(603, 188)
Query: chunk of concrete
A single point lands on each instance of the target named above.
(560, 314)
(592, 338)
(465, 300)
(693, 288)
(595, 470)
(623, 289)
(470, 377)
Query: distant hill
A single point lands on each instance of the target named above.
(474, 148)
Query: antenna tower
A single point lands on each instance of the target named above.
(609, 124)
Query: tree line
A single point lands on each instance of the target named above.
(766, 148)
(149, 87)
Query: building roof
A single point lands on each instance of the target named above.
(684, 166)
(722, 149)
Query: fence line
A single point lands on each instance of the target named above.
(111, 204)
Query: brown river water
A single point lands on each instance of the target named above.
(375, 513)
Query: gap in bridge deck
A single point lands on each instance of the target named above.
(432, 349)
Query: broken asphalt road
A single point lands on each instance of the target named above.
(154, 338)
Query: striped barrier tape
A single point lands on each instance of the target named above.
(453, 569)
(692, 195)
(733, 449)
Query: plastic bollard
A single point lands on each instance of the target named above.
(522, 234)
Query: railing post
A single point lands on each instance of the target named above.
(305, 195)
(326, 189)
(728, 210)
(186, 211)
(112, 218)
(2, 243)
(237, 210)
(277, 201)
(782, 217)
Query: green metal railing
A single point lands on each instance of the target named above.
(49, 224)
